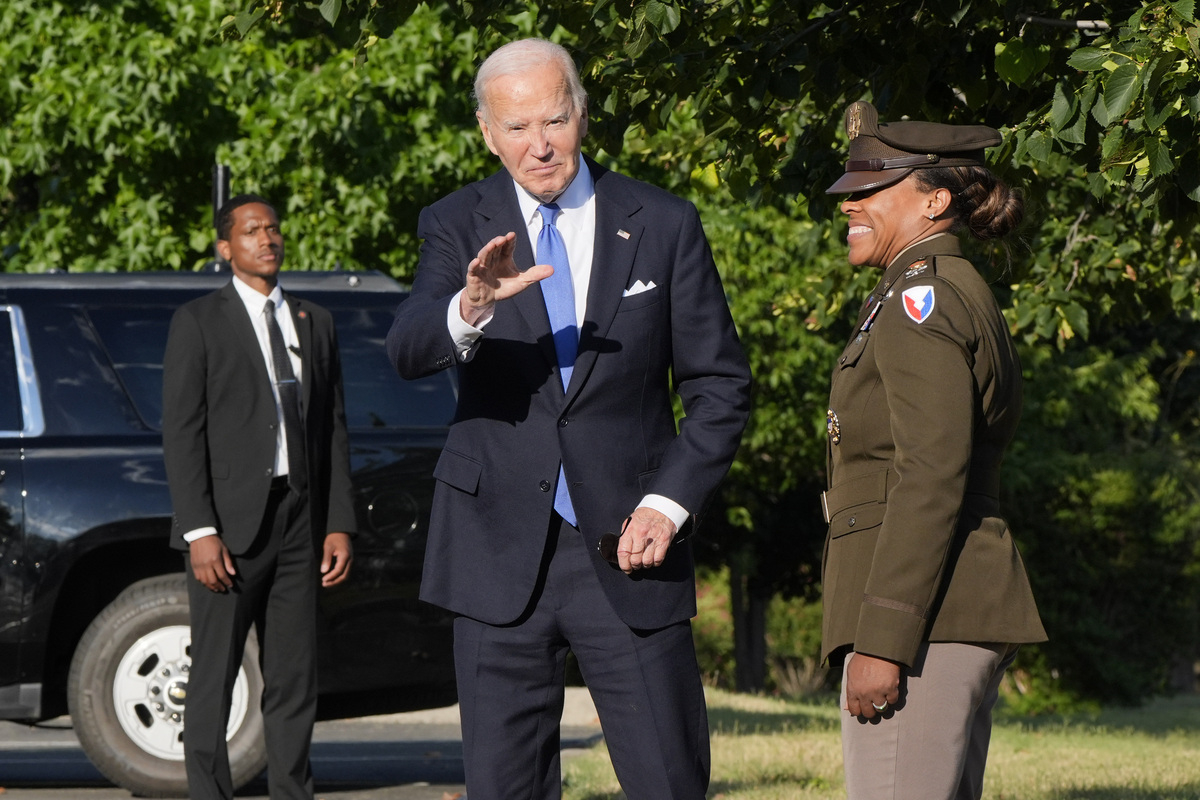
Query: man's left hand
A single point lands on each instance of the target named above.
(335, 565)
(645, 540)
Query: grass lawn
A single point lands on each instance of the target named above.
(769, 749)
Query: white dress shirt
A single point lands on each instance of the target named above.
(256, 305)
(577, 225)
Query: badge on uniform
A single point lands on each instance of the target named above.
(833, 427)
(918, 303)
(916, 268)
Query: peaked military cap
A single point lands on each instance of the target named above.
(883, 153)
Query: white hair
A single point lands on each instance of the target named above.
(524, 54)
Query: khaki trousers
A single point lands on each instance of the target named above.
(933, 743)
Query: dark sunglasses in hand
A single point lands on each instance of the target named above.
(608, 544)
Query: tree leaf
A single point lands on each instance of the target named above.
(1075, 318)
(1039, 145)
(1186, 9)
(247, 20)
(1062, 108)
(1160, 158)
(663, 16)
(331, 10)
(1120, 90)
(1017, 61)
(1088, 59)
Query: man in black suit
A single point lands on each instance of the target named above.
(564, 433)
(254, 438)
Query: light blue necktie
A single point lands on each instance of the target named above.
(560, 307)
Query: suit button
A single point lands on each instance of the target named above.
(270, 472)
(562, 423)
(850, 522)
(544, 486)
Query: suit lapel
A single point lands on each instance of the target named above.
(616, 244)
(302, 321)
(243, 331)
(496, 214)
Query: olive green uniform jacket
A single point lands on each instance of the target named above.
(924, 401)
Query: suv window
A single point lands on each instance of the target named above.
(376, 397)
(136, 338)
(11, 421)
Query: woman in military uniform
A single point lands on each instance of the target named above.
(925, 595)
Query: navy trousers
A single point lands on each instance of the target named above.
(645, 684)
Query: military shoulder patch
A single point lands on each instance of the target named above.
(918, 303)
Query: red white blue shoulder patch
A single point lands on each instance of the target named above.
(918, 303)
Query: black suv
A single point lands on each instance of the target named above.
(93, 608)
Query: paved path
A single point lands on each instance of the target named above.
(412, 756)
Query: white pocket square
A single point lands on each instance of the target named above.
(638, 288)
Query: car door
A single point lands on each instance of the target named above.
(18, 417)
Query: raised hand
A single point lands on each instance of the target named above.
(493, 275)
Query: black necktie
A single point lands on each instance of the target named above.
(289, 400)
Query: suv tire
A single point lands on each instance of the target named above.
(125, 699)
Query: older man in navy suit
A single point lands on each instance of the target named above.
(571, 300)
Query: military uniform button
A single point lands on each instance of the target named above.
(850, 522)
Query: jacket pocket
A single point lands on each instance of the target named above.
(645, 479)
(854, 350)
(459, 471)
(857, 518)
(640, 300)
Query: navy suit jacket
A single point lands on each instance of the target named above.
(613, 429)
(219, 421)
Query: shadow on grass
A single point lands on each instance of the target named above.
(1162, 716)
(1188, 792)
(789, 718)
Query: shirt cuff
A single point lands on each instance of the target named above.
(667, 507)
(199, 533)
(465, 336)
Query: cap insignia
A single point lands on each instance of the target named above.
(854, 121)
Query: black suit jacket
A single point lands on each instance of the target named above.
(219, 421)
(613, 429)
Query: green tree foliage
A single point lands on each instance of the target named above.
(116, 112)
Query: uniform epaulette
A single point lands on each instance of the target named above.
(922, 267)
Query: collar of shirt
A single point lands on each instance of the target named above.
(256, 301)
(577, 224)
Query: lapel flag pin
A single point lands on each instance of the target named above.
(624, 234)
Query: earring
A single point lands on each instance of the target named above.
(931, 216)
